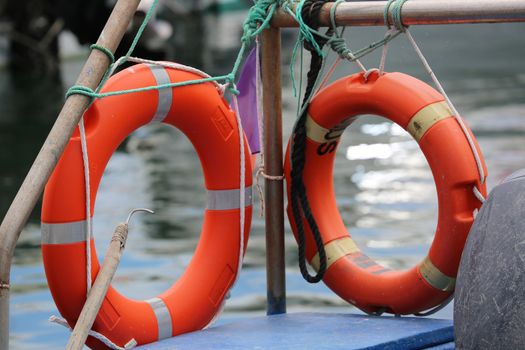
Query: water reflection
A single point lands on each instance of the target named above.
(27, 109)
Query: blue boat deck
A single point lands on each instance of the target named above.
(318, 331)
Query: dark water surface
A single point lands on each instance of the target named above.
(384, 187)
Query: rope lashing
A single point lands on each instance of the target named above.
(337, 42)
(76, 89)
(260, 172)
(105, 51)
(394, 6)
(4, 286)
(313, 39)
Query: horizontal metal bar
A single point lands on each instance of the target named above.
(415, 12)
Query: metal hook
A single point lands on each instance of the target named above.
(137, 210)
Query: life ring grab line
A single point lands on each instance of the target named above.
(219, 200)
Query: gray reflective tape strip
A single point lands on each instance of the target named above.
(70, 232)
(163, 317)
(165, 95)
(227, 199)
(364, 261)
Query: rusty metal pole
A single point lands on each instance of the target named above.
(418, 12)
(273, 162)
(51, 151)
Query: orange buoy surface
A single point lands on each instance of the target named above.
(423, 112)
(203, 115)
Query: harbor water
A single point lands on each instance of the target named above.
(384, 187)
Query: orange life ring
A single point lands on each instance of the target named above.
(422, 111)
(201, 113)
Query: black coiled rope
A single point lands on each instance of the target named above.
(299, 199)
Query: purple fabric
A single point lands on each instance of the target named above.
(247, 101)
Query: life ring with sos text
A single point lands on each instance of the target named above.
(423, 112)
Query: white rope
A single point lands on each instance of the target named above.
(259, 93)
(329, 73)
(242, 185)
(177, 66)
(358, 62)
(370, 71)
(260, 123)
(458, 118)
(85, 161)
(99, 336)
(242, 207)
(478, 194)
(384, 51)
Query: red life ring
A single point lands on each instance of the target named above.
(421, 111)
(201, 113)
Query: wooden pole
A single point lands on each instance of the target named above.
(273, 162)
(100, 288)
(370, 13)
(51, 151)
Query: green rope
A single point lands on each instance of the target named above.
(105, 51)
(337, 42)
(258, 19)
(306, 33)
(375, 45)
(298, 43)
(142, 27)
(83, 90)
(396, 14)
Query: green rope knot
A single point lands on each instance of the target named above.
(233, 90)
(81, 90)
(230, 84)
(258, 19)
(338, 44)
(105, 51)
(307, 33)
(397, 20)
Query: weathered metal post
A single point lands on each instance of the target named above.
(51, 151)
(273, 162)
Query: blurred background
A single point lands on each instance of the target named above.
(384, 187)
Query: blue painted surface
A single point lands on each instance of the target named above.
(318, 331)
(447, 346)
